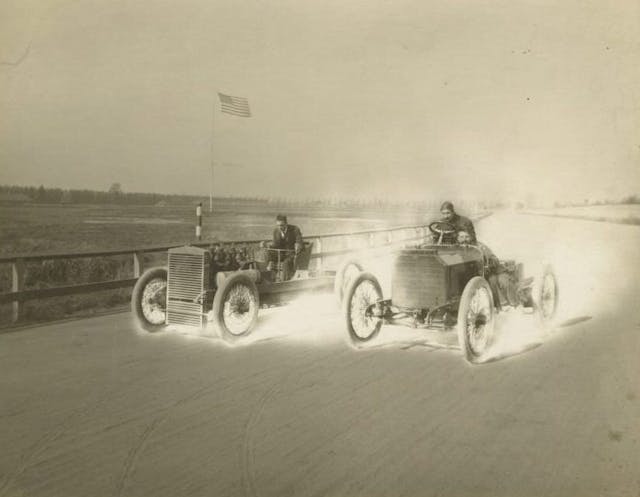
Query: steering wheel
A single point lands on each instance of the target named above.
(442, 228)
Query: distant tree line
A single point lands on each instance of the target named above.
(115, 195)
(628, 200)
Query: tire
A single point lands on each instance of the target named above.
(344, 276)
(147, 303)
(238, 290)
(476, 319)
(363, 291)
(544, 294)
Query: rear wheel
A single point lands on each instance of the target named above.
(544, 294)
(149, 299)
(345, 274)
(476, 319)
(359, 305)
(235, 306)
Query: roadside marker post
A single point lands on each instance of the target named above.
(199, 221)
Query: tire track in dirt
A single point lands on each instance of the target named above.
(137, 449)
(44, 443)
(247, 463)
(133, 456)
(248, 447)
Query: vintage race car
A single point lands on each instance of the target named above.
(444, 286)
(190, 292)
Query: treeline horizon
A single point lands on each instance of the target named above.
(628, 199)
(44, 195)
(115, 195)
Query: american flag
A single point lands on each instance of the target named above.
(236, 106)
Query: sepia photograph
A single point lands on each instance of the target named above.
(319, 248)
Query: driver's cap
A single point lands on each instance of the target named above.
(447, 206)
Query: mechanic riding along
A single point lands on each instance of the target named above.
(227, 286)
(452, 281)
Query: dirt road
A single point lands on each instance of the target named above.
(93, 408)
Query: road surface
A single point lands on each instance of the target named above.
(94, 408)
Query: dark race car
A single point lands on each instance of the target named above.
(444, 286)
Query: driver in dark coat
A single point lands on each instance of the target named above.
(288, 237)
(460, 223)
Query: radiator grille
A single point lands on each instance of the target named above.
(418, 281)
(187, 280)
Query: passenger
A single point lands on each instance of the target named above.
(496, 273)
(460, 223)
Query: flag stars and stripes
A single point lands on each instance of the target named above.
(236, 106)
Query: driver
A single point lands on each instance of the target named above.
(288, 237)
(460, 223)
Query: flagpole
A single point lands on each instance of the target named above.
(213, 118)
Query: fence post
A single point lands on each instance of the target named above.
(199, 221)
(17, 284)
(138, 264)
(319, 246)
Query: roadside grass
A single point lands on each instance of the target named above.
(58, 308)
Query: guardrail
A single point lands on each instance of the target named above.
(326, 252)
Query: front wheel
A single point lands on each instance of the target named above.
(345, 274)
(476, 319)
(235, 306)
(149, 299)
(359, 308)
(544, 294)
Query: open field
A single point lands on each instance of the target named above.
(54, 227)
(617, 213)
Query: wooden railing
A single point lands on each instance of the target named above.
(327, 252)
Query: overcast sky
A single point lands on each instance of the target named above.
(407, 99)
